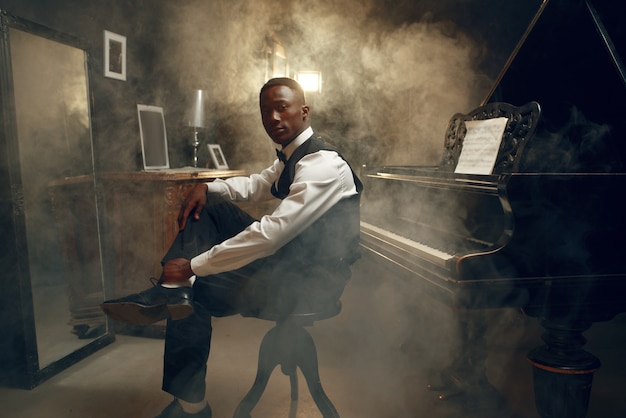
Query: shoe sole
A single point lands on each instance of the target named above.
(180, 311)
(137, 314)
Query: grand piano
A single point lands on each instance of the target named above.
(544, 230)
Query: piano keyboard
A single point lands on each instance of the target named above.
(424, 251)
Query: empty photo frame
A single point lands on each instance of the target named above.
(217, 156)
(153, 137)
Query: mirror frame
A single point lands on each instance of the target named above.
(19, 362)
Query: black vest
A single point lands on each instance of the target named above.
(335, 236)
(309, 273)
(309, 146)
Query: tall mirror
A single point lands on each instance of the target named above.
(55, 218)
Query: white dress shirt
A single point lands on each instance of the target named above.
(321, 180)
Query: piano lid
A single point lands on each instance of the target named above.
(569, 60)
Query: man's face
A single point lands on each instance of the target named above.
(283, 113)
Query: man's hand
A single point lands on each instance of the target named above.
(176, 270)
(194, 202)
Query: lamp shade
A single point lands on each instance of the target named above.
(196, 111)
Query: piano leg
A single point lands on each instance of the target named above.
(562, 370)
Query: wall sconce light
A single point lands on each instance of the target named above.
(276, 64)
(281, 67)
(311, 81)
(196, 119)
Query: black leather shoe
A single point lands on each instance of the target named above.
(152, 305)
(174, 410)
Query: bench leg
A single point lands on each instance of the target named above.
(269, 358)
(293, 380)
(292, 348)
(305, 354)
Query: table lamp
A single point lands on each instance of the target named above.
(196, 120)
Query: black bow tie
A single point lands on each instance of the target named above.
(281, 156)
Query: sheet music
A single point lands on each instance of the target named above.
(480, 146)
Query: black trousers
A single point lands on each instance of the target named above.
(282, 283)
(188, 341)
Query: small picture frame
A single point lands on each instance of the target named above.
(217, 156)
(114, 56)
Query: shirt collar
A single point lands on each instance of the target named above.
(300, 139)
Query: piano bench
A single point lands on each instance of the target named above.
(291, 346)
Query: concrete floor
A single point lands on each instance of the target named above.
(369, 367)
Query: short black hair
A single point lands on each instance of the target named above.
(284, 81)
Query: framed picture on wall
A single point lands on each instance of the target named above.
(114, 55)
(215, 151)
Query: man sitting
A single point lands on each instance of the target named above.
(224, 262)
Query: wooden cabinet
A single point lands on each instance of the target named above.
(141, 210)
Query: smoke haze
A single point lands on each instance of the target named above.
(389, 91)
(383, 84)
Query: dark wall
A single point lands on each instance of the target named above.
(174, 47)
(114, 122)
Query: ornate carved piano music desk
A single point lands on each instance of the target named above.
(545, 242)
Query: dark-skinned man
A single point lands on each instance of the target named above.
(224, 262)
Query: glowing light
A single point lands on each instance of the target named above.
(311, 81)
